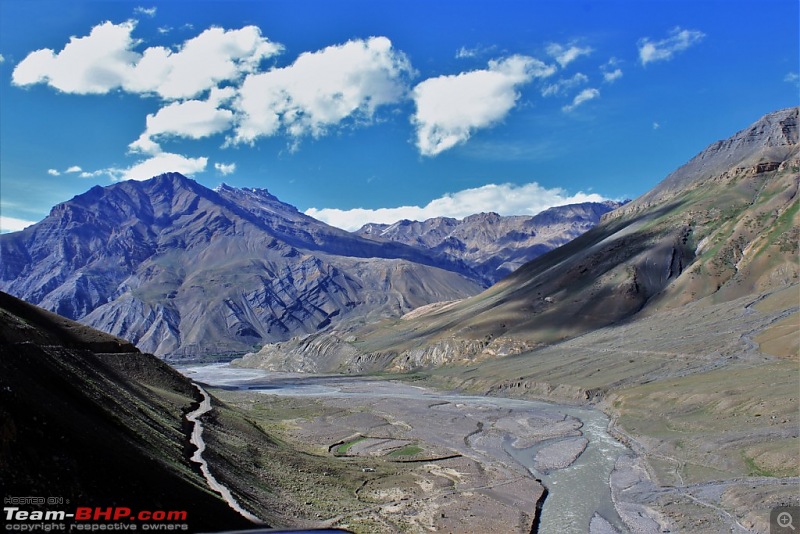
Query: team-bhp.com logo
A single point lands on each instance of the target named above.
(88, 518)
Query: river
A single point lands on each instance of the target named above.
(511, 431)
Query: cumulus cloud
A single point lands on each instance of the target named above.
(106, 60)
(581, 98)
(2, 59)
(321, 89)
(53, 172)
(505, 199)
(564, 84)
(451, 108)
(202, 62)
(792, 77)
(97, 63)
(12, 224)
(225, 168)
(193, 119)
(564, 55)
(663, 50)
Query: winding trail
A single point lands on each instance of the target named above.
(196, 439)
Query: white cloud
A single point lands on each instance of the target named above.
(321, 89)
(112, 173)
(663, 50)
(97, 63)
(12, 224)
(153, 166)
(656, 125)
(161, 163)
(70, 170)
(193, 119)
(215, 55)
(582, 97)
(106, 60)
(611, 71)
(505, 199)
(451, 108)
(611, 75)
(565, 55)
(465, 52)
(792, 77)
(564, 84)
(225, 168)
(149, 11)
(2, 59)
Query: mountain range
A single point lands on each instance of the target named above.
(721, 227)
(492, 245)
(677, 315)
(184, 271)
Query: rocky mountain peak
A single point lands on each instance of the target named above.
(762, 146)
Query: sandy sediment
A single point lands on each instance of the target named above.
(560, 454)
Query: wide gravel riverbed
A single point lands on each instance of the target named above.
(522, 444)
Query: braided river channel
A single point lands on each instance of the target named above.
(567, 448)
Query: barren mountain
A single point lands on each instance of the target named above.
(677, 315)
(181, 270)
(490, 244)
(698, 236)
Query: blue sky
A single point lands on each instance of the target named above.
(359, 111)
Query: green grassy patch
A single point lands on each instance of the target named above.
(408, 450)
(344, 447)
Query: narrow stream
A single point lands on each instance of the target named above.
(576, 493)
(197, 440)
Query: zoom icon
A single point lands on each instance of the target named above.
(784, 520)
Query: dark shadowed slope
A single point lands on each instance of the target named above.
(86, 417)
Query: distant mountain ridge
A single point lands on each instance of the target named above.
(185, 271)
(180, 269)
(493, 245)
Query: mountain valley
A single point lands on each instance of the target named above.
(186, 272)
(677, 315)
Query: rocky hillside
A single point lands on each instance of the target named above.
(86, 417)
(678, 315)
(184, 271)
(492, 245)
(718, 237)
